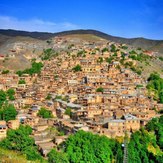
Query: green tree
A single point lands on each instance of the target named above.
(48, 97)
(68, 111)
(2, 97)
(100, 89)
(87, 147)
(35, 69)
(20, 140)
(77, 68)
(5, 71)
(10, 92)
(44, 113)
(9, 112)
(57, 157)
(21, 82)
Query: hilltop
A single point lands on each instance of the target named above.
(136, 42)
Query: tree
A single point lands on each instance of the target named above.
(5, 71)
(9, 112)
(100, 89)
(2, 97)
(68, 111)
(88, 147)
(48, 97)
(35, 69)
(10, 92)
(21, 82)
(77, 68)
(32, 153)
(44, 113)
(161, 96)
(20, 140)
(155, 87)
(154, 76)
(57, 157)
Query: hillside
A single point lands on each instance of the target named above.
(156, 45)
(18, 48)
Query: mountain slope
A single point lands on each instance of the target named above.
(156, 45)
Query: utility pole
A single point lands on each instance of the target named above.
(125, 156)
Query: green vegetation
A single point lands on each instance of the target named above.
(44, 113)
(81, 53)
(68, 111)
(155, 87)
(113, 48)
(8, 112)
(3, 97)
(139, 86)
(105, 50)
(139, 48)
(100, 89)
(11, 156)
(87, 147)
(5, 71)
(136, 70)
(100, 60)
(57, 157)
(21, 82)
(10, 92)
(124, 47)
(138, 57)
(49, 42)
(77, 68)
(132, 67)
(48, 97)
(160, 58)
(35, 69)
(110, 59)
(146, 145)
(48, 54)
(19, 140)
(70, 46)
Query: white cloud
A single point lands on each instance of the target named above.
(7, 22)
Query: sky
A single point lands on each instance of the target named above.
(124, 18)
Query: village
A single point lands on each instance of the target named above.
(86, 87)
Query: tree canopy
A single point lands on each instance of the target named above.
(20, 140)
(155, 86)
(44, 113)
(87, 147)
(77, 68)
(146, 145)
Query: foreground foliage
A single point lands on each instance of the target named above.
(19, 140)
(87, 147)
(146, 145)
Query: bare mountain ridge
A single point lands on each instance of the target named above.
(156, 45)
